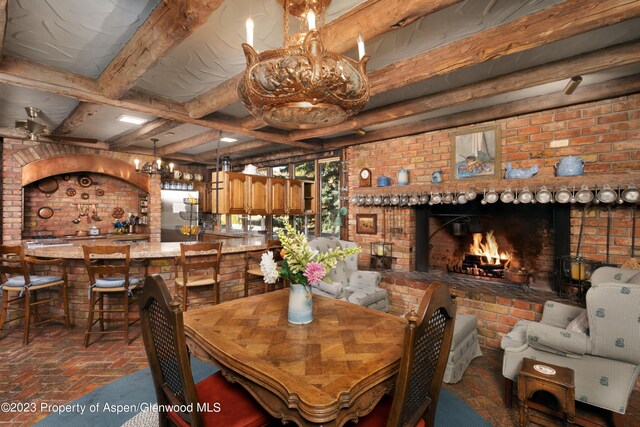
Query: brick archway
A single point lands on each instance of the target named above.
(58, 165)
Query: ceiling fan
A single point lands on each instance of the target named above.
(34, 127)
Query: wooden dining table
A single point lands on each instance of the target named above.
(328, 372)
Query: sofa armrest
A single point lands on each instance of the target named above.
(557, 340)
(334, 289)
(559, 314)
(365, 278)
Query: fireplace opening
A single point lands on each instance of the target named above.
(515, 243)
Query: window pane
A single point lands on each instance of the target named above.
(306, 224)
(280, 171)
(329, 197)
(305, 170)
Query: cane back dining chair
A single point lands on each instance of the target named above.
(252, 264)
(15, 277)
(427, 341)
(109, 273)
(165, 345)
(199, 263)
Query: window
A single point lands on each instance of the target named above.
(306, 171)
(280, 171)
(329, 196)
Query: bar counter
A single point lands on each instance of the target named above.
(162, 258)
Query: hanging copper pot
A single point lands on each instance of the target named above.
(48, 186)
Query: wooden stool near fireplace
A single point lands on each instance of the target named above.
(541, 376)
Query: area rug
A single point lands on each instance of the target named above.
(125, 402)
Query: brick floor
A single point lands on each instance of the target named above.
(55, 369)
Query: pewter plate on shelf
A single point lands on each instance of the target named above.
(543, 369)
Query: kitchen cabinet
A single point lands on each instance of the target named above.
(258, 195)
(204, 197)
(278, 195)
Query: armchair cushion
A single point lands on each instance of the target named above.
(559, 314)
(366, 296)
(334, 289)
(365, 278)
(557, 340)
(579, 324)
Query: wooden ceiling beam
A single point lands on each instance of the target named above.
(243, 147)
(24, 73)
(603, 59)
(610, 89)
(76, 118)
(168, 24)
(554, 23)
(143, 151)
(372, 18)
(148, 130)
(188, 143)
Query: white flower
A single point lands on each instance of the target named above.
(269, 267)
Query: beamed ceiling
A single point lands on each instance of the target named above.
(434, 64)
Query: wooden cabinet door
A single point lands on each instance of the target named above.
(278, 192)
(235, 192)
(204, 195)
(295, 193)
(258, 200)
(218, 195)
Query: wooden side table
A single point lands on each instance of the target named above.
(540, 376)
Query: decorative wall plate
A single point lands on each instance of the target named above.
(99, 192)
(45, 212)
(71, 192)
(84, 196)
(117, 213)
(85, 181)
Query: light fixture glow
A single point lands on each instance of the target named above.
(228, 139)
(132, 120)
(249, 25)
(572, 85)
(361, 51)
(311, 20)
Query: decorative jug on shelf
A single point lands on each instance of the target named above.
(384, 181)
(436, 177)
(403, 177)
(570, 166)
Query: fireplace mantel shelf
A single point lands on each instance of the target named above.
(592, 180)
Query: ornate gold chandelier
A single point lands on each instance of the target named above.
(302, 85)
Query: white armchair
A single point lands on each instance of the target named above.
(605, 357)
(348, 283)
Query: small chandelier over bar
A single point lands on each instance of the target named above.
(155, 167)
(302, 85)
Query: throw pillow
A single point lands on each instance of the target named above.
(579, 324)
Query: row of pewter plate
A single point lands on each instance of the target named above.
(563, 195)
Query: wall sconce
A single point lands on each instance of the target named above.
(572, 85)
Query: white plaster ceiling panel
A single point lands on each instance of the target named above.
(549, 88)
(445, 26)
(213, 144)
(81, 36)
(13, 99)
(213, 53)
(573, 46)
(104, 123)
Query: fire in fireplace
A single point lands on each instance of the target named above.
(484, 258)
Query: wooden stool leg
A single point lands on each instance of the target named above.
(27, 317)
(246, 282)
(3, 309)
(126, 317)
(34, 313)
(184, 298)
(92, 303)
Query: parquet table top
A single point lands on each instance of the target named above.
(329, 371)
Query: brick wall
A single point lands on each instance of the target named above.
(605, 133)
(18, 153)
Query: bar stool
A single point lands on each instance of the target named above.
(15, 277)
(200, 263)
(252, 264)
(108, 269)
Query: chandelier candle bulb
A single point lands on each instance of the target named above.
(361, 51)
(171, 165)
(137, 163)
(311, 20)
(249, 25)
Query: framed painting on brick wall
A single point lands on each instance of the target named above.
(366, 223)
(476, 153)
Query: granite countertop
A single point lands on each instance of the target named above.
(144, 249)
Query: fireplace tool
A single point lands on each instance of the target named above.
(578, 269)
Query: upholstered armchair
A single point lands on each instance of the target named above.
(348, 283)
(600, 343)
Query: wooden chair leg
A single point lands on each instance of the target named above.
(27, 317)
(126, 317)
(508, 392)
(65, 302)
(618, 420)
(92, 303)
(3, 308)
(246, 283)
(101, 312)
(34, 313)
(184, 298)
